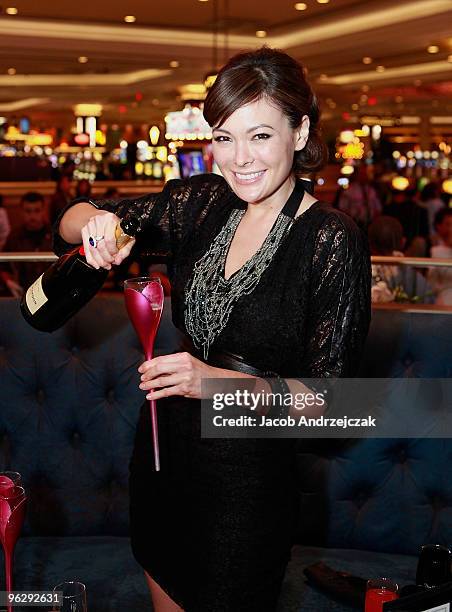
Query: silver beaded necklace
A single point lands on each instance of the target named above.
(209, 296)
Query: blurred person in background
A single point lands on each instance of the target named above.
(431, 201)
(394, 282)
(380, 181)
(5, 226)
(83, 189)
(414, 220)
(34, 234)
(441, 278)
(442, 225)
(360, 200)
(61, 197)
(111, 194)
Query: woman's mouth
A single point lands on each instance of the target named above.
(249, 177)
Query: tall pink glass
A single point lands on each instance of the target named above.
(144, 302)
(12, 514)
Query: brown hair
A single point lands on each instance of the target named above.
(269, 73)
(385, 235)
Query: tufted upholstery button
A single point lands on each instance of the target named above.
(402, 456)
(110, 395)
(360, 498)
(40, 396)
(437, 502)
(76, 439)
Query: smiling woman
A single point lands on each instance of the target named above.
(278, 79)
(268, 284)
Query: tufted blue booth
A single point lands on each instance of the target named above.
(69, 404)
(368, 505)
(68, 407)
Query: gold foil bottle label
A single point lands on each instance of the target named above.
(35, 296)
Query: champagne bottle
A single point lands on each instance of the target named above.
(69, 284)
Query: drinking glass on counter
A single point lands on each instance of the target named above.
(74, 597)
(379, 591)
(434, 566)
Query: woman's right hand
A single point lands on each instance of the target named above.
(102, 226)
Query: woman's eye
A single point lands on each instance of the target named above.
(221, 138)
(262, 136)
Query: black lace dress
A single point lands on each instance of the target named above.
(215, 526)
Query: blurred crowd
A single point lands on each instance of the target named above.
(398, 223)
(403, 223)
(34, 232)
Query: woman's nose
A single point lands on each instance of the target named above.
(243, 154)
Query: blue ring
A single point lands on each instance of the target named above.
(92, 241)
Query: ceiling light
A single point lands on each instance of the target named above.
(433, 49)
(365, 88)
(11, 71)
(380, 68)
(174, 64)
(323, 1)
(87, 110)
(367, 60)
(261, 33)
(130, 18)
(300, 6)
(355, 107)
(347, 169)
(417, 82)
(82, 59)
(323, 77)
(11, 10)
(449, 59)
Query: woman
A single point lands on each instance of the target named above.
(265, 279)
(431, 201)
(5, 226)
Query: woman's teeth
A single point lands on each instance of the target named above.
(249, 177)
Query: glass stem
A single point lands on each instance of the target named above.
(155, 431)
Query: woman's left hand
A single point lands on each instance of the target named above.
(176, 374)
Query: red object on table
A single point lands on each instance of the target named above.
(12, 515)
(375, 598)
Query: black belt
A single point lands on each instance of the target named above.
(224, 359)
(230, 361)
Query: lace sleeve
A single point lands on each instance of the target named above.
(339, 310)
(165, 217)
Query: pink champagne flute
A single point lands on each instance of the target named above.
(144, 302)
(12, 515)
